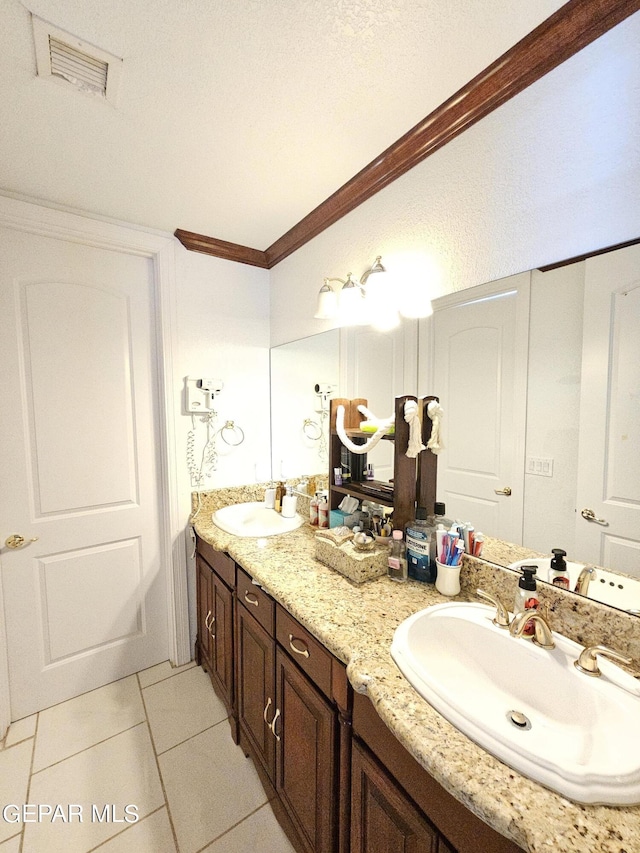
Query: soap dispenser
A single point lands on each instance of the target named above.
(558, 572)
(527, 597)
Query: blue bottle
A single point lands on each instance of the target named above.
(418, 538)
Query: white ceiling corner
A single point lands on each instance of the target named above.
(235, 118)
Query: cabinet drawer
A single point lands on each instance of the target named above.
(256, 600)
(220, 562)
(310, 655)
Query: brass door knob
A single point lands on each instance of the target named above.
(506, 491)
(16, 541)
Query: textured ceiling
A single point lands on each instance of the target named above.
(235, 118)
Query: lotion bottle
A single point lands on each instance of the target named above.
(527, 597)
(558, 572)
(279, 496)
(289, 503)
(313, 510)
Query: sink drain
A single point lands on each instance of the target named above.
(519, 720)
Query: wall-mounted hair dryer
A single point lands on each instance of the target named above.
(200, 393)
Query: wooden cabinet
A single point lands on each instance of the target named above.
(288, 721)
(383, 818)
(291, 708)
(396, 801)
(414, 482)
(255, 667)
(215, 639)
(306, 756)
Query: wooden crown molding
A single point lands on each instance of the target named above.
(221, 248)
(559, 37)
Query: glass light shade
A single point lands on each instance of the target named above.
(327, 306)
(351, 303)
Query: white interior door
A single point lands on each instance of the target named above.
(609, 458)
(479, 363)
(86, 602)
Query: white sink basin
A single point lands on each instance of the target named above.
(581, 738)
(254, 519)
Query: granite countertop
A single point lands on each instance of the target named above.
(356, 623)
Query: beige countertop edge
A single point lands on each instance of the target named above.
(356, 623)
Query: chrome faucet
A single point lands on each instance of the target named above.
(585, 577)
(542, 636)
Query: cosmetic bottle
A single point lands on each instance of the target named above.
(323, 512)
(279, 496)
(397, 561)
(527, 597)
(289, 503)
(370, 472)
(558, 572)
(313, 510)
(418, 539)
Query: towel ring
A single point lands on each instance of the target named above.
(235, 430)
(312, 429)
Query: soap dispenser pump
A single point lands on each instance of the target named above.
(527, 597)
(558, 572)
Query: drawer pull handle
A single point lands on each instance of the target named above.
(273, 724)
(206, 622)
(304, 652)
(250, 599)
(266, 708)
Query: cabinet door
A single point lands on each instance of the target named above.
(256, 687)
(205, 613)
(222, 631)
(383, 818)
(306, 757)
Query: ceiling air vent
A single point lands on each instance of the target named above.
(68, 60)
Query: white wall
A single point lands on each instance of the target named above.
(551, 174)
(222, 332)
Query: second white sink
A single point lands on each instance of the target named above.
(254, 519)
(577, 735)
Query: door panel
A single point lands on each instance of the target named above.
(479, 374)
(85, 603)
(609, 462)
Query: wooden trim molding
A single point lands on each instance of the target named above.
(221, 248)
(559, 37)
(587, 255)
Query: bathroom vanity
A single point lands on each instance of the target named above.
(352, 758)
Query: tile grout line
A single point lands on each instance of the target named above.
(155, 755)
(122, 832)
(33, 756)
(87, 748)
(231, 828)
(191, 737)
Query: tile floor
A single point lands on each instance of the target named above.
(158, 741)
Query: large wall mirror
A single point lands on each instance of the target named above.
(574, 367)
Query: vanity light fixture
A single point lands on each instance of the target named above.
(371, 300)
(346, 301)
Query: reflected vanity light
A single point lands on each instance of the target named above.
(365, 302)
